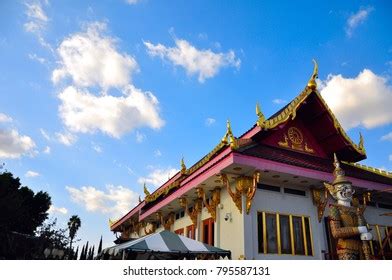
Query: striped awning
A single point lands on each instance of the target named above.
(166, 242)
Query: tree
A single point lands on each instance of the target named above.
(21, 212)
(53, 237)
(81, 253)
(92, 253)
(76, 254)
(74, 224)
(100, 246)
(85, 251)
(21, 209)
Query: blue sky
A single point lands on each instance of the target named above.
(98, 97)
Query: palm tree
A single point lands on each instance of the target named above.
(73, 226)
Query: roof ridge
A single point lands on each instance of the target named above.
(370, 169)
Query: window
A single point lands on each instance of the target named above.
(382, 240)
(179, 215)
(208, 231)
(268, 188)
(294, 191)
(191, 232)
(179, 231)
(383, 205)
(284, 234)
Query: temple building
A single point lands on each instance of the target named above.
(261, 195)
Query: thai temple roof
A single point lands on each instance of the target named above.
(308, 103)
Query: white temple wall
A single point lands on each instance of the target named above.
(231, 235)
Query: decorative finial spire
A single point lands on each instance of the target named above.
(228, 125)
(260, 115)
(140, 200)
(361, 142)
(146, 192)
(183, 166)
(312, 82)
(229, 133)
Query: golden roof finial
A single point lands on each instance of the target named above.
(361, 142)
(312, 82)
(260, 115)
(146, 192)
(183, 166)
(228, 125)
(229, 133)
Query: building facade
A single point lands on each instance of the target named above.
(261, 195)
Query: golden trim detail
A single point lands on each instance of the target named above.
(304, 236)
(320, 199)
(278, 234)
(292, 235)
(196, 209)
(265, 233)
(151, 230)
(245, 185)
(370, 169)
(214, 200)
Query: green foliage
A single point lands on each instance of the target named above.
(74, 224)
(53, 236)
(21, 209)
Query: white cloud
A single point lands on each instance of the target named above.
(45, 134)
(66, 138)
(132, 2)
(91, 59)
(36, 16)
(356, 19)
(96, 148)
(60, 210)
(387, 137)
(158, 176)
(46, 150)
(13, 145)
(37, 21)
(365, 100)
(210, 121)
(35, 11)
(4, 118)
(31, 174)
(140, 137)
(278, 101)
(157, 153)
(35, 57)
(115, 200)
(204, 63)
(84, 112)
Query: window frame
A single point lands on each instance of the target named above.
(211, 228)
(191, 228)
(291, 230)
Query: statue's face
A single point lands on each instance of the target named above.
(345, 192)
